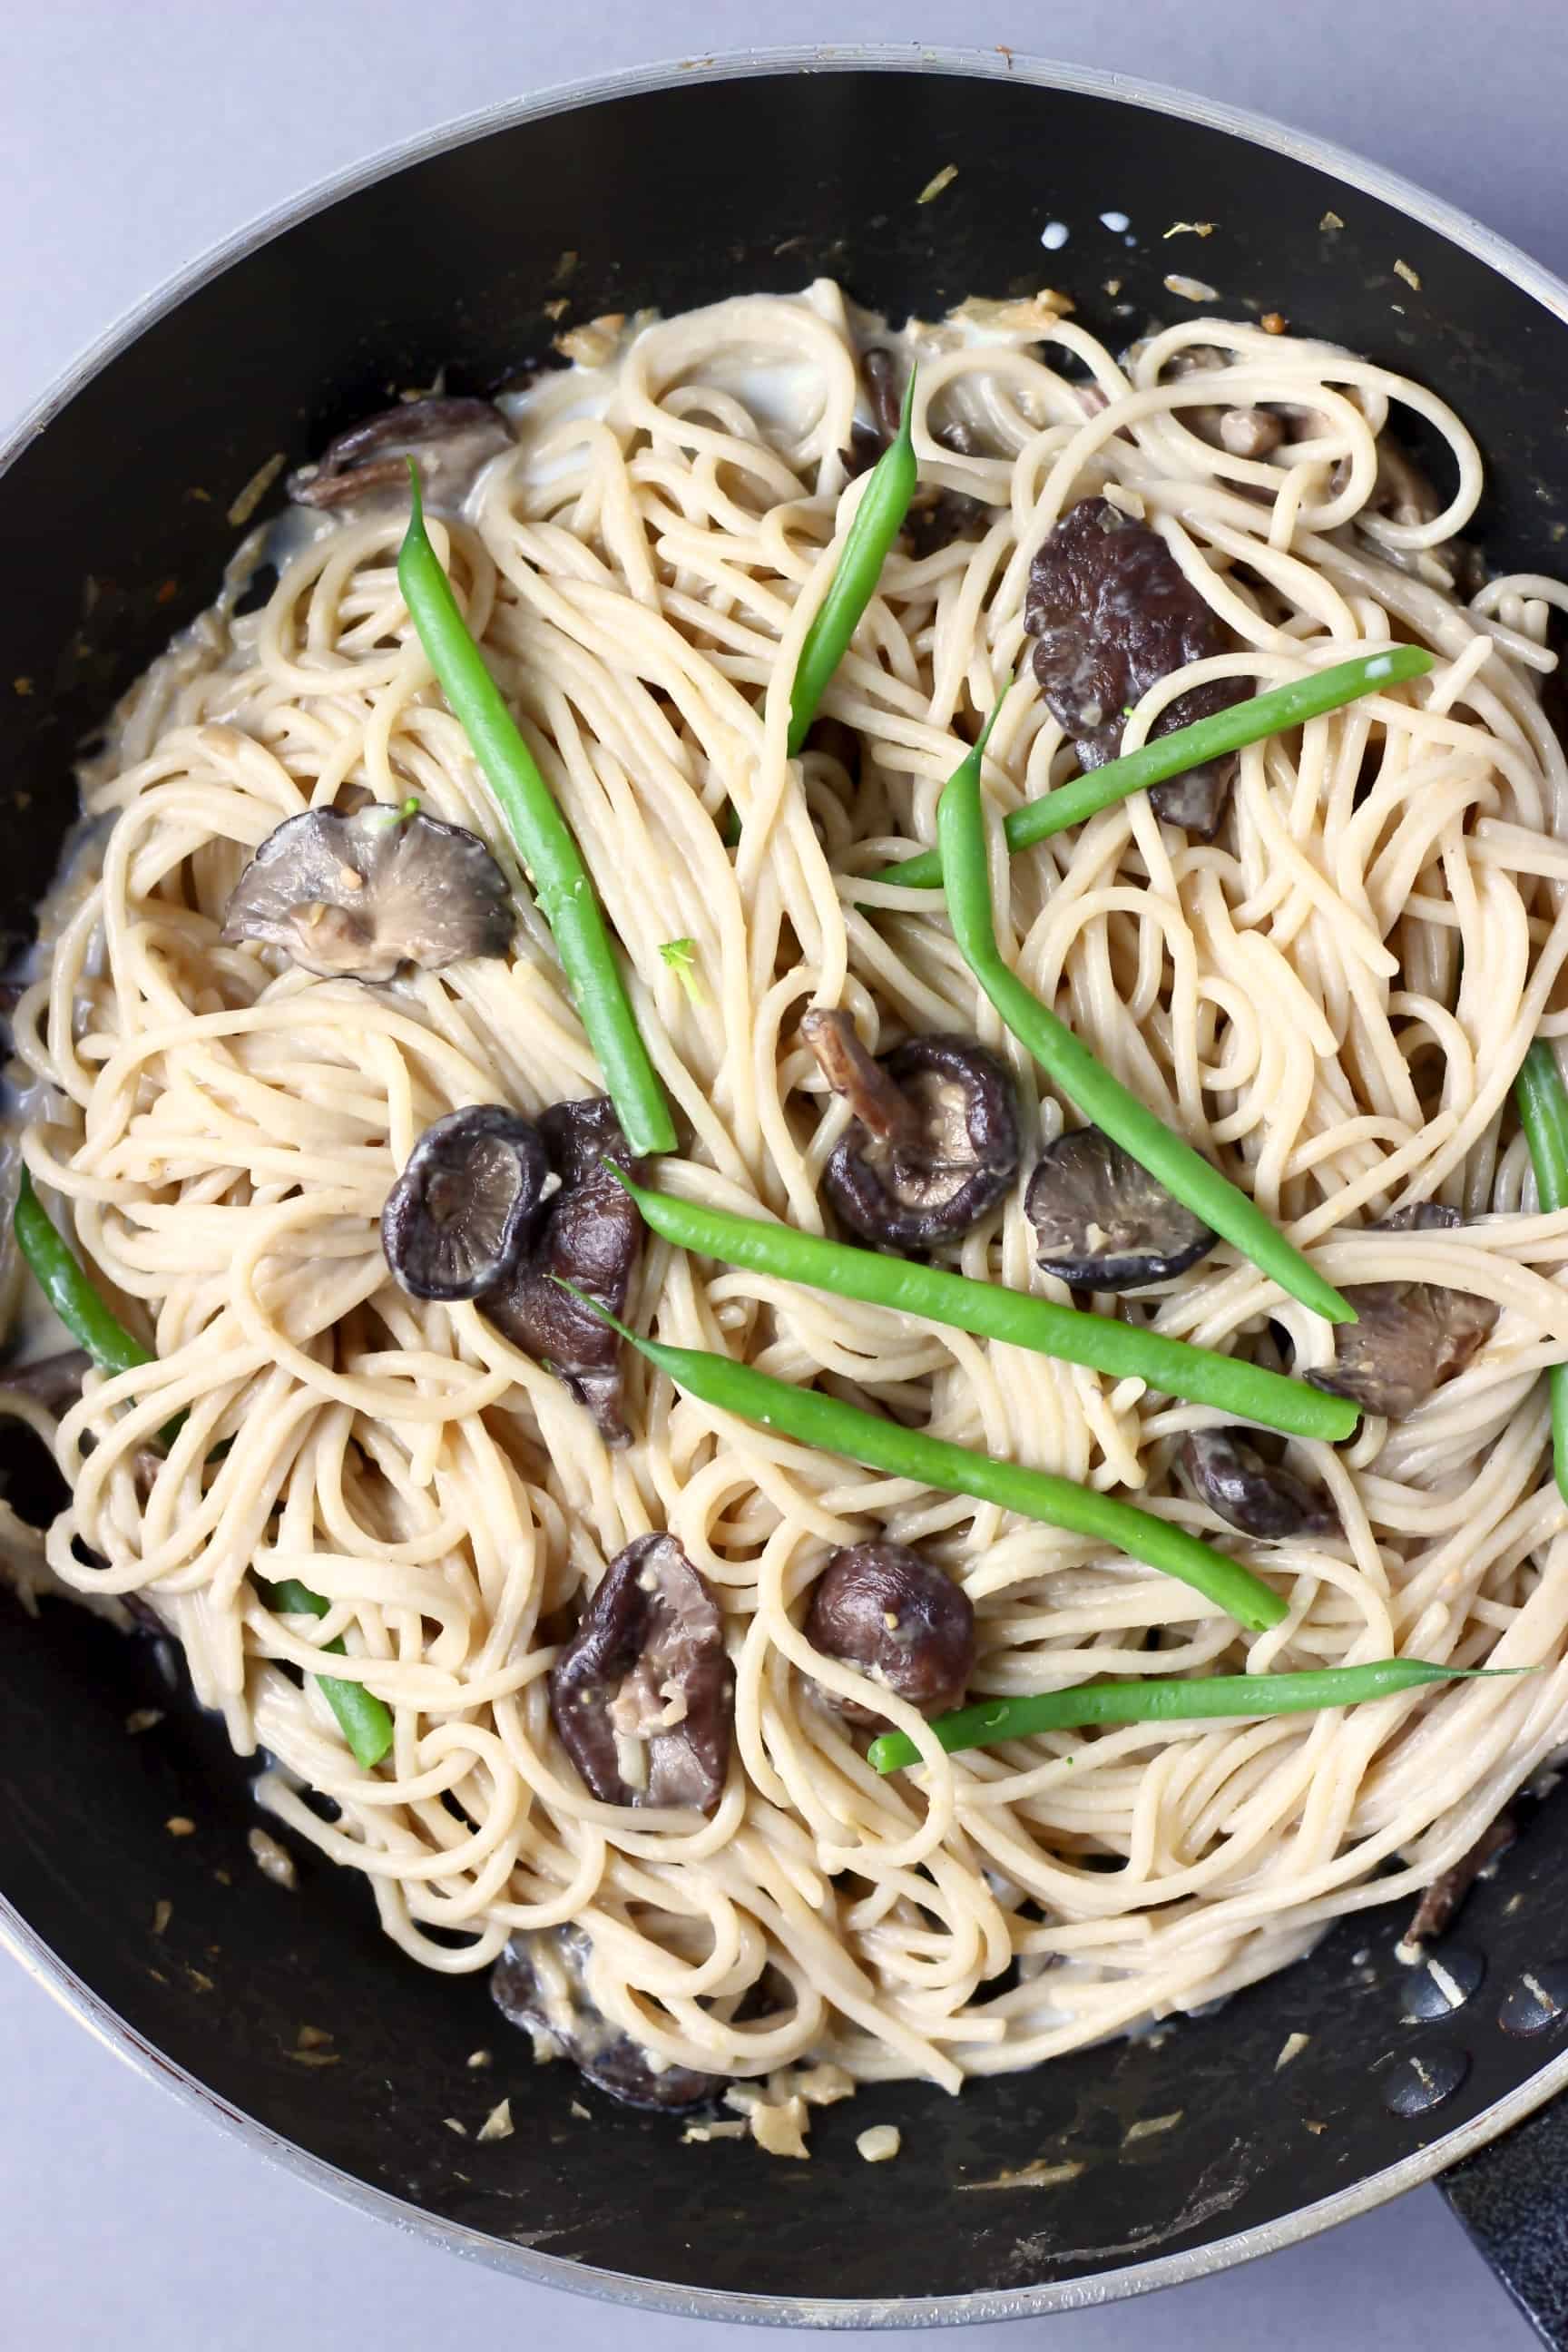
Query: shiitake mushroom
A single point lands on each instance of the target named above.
(539, 1984)
(1102, 1223)
(1112, 613)
(451, 439)
(1408, 1337)
(455, 1222)
(495, 1208)
(884, 1608)
(1256, 1496)
(588, 1236)
(367, 895)
(935, 1143)
(643, 1694)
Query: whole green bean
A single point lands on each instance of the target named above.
(561, 880)
(1543, 1104)
(961, 833)
(878, 519)
(1174, 1701)
(835, 1427)
(364, 1722)
(60, 1277)
(1269, 713)
(1121, 1350)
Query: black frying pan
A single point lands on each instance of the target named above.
(673, 188)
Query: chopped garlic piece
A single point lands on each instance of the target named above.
(1146, 2127)
(825, 2085)
(274, 1861)
(879, 2143)
(498, 2124)
(781, 2130)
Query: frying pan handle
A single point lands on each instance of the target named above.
(1513, 2198)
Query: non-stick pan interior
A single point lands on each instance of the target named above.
(116, 528)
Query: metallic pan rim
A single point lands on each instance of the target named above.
(548, 2269)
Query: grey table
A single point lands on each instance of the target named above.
(133, 137)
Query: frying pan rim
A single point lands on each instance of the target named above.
(18, 1938)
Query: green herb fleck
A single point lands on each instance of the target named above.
(680, 955)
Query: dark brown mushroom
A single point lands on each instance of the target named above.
(1256, 1496)
(455, 1222)
(643, 1695)
(1245, 432)
(539, 1984)
(363, 896)
(881, 1607)
(53, 1381)
(1442, 1899)
(1251, 432)
(1112, 613)
(1102, 1223)
(880, 373)
(1409, 1336)
(936, 516)
(588, 1236)
(450, 439)
(937, 1140)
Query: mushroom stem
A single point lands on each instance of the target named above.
(881, 1108)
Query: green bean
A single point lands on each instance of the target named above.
(834, 1427)
(960, 832)
(1121, 1350)
(561, 880)
(69, 1292)
(1543, 1114)
(1181, 1700)
(363, 1720)
(878, 519)
(1269, 713)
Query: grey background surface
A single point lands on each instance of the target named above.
(132, 138)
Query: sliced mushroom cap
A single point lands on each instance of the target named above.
(1251, 432)
(937, 1140)
(588, 1236)
(1102, 1223)
(937, 516)
(456, 1219)
(1420, 1217)
(1409, 1336)
(881, 1607)
(1112, 613)
(540, 1984)
(1260, 1498)
(643, 1695)
(451, 439)
(1242, 431)
(1435, 1912)
(879, 375)
(362, 896)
